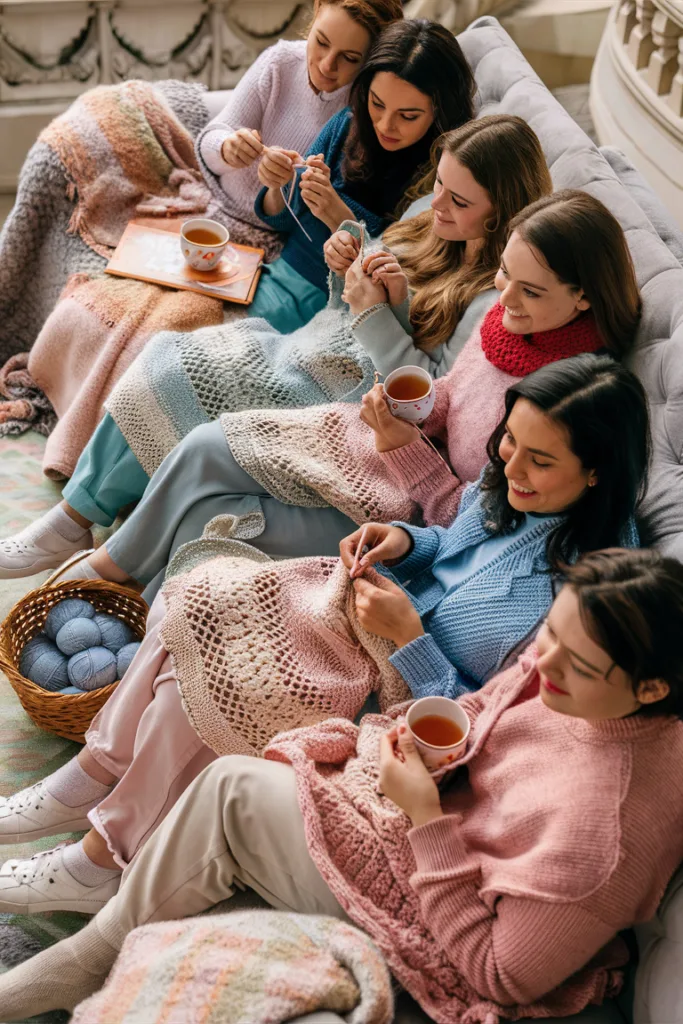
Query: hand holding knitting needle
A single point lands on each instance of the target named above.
(320, 196)
(340, 250)
(242, 147)
(384, 544)
(277, 166)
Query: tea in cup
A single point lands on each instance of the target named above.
(439, 728)
(410, 393)
(203, 242)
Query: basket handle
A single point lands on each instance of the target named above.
(67, 565)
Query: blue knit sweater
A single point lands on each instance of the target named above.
(471, 631)
(304, 256)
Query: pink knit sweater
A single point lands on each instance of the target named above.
(469, 405)
(562, 833)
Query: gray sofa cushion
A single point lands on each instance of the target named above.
(507, 84)
(647, 199)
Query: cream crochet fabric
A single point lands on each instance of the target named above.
(264, 646)
(319, 456)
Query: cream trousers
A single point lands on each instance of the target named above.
(237, 825)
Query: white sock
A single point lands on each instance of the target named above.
(73, 787)
(78, 864)
(81, 570)
(58, 520)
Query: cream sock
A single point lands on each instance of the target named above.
(59, 978)
(81, 570)
(73, 787)
(78, 864)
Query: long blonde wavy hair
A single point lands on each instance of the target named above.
(504, 156)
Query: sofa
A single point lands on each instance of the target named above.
(507, 84)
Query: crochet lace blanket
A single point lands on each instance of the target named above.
(261, 646)
(181, 380)
(258, 966)
(319, 456)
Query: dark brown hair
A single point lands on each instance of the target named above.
(373, 15)
(584, 245)
(504, 156)
(429, 57)
(631, 605)
(603, 409)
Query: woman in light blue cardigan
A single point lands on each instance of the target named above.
(568, 465)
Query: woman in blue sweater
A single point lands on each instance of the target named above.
(414, 85)
(568, 465)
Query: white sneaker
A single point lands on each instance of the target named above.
(25, 555)
(43, 883)
(34, 812)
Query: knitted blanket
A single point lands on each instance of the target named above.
(261, 646)
(181, 380)
(258, 966)
(81, 183)
(118, 152)
(23, 406)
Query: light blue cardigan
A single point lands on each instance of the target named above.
(487, 617)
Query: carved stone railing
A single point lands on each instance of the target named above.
(637, 91)
(54, 49)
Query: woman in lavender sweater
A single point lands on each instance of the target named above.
(281, 104)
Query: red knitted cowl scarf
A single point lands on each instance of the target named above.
(520, 354)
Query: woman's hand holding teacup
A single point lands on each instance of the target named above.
(386, 544)
(384, 268)
(360, 291)
(390, 432)
(241, 148)
(341, 249)
(404, 778)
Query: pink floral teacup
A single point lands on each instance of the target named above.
(203, 242)
(409, 392)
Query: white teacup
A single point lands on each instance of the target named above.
(417, 384)
(202, 255)
(435, 755)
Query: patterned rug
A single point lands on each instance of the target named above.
(26, 753)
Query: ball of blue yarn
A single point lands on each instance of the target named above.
(88, 670)
(115, 634)
(44, 664)
(124, 658)
(32, 651)
(78, 635)
(71, 689)
(71, 608)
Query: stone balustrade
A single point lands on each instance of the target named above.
(637, 91)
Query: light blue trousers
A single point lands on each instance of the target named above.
(199, 480)
(107, 476)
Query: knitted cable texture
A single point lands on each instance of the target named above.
(531, 826)
(520, 354)
(258, 966)
(181, 380)
(260, 647)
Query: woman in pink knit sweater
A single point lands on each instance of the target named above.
(498, 893)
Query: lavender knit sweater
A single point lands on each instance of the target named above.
(275, 97)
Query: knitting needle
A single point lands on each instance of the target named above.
(360, 551)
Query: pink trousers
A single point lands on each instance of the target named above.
(144, 738)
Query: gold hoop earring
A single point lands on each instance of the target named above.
(491, 230)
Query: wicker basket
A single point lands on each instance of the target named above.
(67, 715)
